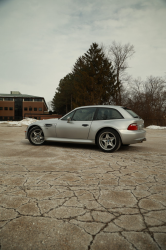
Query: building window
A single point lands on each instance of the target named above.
(11, 108)
(8, 99)
(25, 109)
(38, 100)
(30, 109)
(1, 99)
(35, 117)
(5, 118)
(6, 108)
(11, 118)
(40, 109)
(35, 109)
(28, 99)
(1, 118)
(1, 108)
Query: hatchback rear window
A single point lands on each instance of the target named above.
(132, 113)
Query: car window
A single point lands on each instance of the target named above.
(132, 113)
(68, 115)
(84, 114)
(108, 114)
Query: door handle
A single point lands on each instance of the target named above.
(85, 125)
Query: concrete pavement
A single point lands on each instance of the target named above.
(75, 197)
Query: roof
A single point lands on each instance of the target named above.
(100, 106)
(19, 95)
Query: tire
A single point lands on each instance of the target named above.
(108, 140)
(36, 136)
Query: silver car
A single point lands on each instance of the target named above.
(105, 125)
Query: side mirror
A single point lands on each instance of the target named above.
(68, 119)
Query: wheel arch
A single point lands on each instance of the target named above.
(106, 128)
(33, 127)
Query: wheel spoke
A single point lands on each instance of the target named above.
(111, 142)
(105, 143)
(40, 133)
(107, 136)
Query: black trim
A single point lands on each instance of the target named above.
(96, 112)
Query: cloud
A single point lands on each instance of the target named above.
(41, 40)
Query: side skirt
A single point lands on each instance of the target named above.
(81, 141)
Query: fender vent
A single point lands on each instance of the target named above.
(48, 125)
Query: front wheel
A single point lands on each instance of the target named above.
(36, 136)
(108, 140)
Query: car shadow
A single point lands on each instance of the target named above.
(131, 148)
(71, 145)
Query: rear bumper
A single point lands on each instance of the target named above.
(132, 137)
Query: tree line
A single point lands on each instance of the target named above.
(100, 77)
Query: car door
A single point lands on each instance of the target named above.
(79, 125)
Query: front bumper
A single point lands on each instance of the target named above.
(26, 133)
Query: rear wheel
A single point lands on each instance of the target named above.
(108, 140)
(36, 136)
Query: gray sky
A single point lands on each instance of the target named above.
(40, 40)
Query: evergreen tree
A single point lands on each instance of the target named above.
(63, 98)
(94, 78)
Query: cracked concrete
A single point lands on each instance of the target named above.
(66, 196)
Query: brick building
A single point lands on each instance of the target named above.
(16, 106)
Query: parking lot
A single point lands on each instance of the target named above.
(75, 197)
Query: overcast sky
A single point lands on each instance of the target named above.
(40, 40)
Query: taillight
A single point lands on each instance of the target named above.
(133, 126)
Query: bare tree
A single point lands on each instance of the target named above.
(148, 99)
(119, 55)
(155, 92)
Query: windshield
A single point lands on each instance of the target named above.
(132, 113)
(68, 115)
